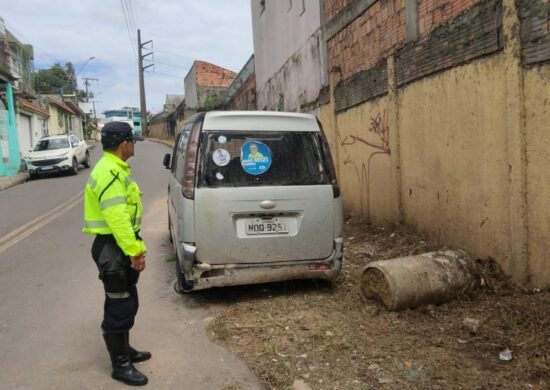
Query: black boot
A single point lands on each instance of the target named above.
(123, 369)
(137, 356)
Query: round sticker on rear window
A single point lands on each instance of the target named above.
(221, 157)
(255, 157)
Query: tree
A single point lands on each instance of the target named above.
(211, 102)
(56, 79)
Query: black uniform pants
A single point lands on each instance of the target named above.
(119, 281)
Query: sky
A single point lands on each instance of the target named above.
(216, 31)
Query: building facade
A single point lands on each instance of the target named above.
(289, 54)
(10, 156)
(62, 116)
(205, 84)
(241, 93)
(168, 122)
(32, 124)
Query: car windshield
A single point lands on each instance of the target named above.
(51, 144)
(240, 159)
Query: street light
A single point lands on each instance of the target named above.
(80, 70)
(62, 87)
(76, 86)
(83, 65)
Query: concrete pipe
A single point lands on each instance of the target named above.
(408, 282)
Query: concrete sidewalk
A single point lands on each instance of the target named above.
(10, 181)
(165, 141)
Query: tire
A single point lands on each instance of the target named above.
(170, 230)
(181, 285)
(74, 168)
(86, 161)
(33, 176)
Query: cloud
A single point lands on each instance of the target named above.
(73, 31)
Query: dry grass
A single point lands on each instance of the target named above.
(331, 337)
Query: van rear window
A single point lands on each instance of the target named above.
(235, 159)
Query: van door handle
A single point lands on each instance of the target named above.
(267, 204)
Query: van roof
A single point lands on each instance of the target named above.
(259, 121)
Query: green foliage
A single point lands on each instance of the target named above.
(212, 101)
(55, 79)
(88, 131)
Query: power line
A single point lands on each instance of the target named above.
(175, 66)
(131, 14)
(188, 58)
(128, 25)
(128, 29)
(165, 74)
(175, 55)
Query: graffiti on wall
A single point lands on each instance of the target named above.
(380, 128)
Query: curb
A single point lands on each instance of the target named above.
(166, 142)
(14, 182)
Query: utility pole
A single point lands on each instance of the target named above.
(87, 81)
(143, 106)
(95, 117)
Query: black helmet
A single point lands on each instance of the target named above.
(114, 133)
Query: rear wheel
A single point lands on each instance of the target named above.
(181, 285)
(170, 229)
(86, 161)
(74, 168)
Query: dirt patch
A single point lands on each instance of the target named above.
(331, 337)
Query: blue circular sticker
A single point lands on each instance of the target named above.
(255, 157)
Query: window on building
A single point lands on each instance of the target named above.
(60, 118)
(262, 6)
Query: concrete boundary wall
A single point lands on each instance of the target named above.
(535, 40)
(472, 34)
(362, 86)
(462, 155)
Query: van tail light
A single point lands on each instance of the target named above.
(330, 163)
(319, 267)
(190, 163)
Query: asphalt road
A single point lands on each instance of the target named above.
(51, 300)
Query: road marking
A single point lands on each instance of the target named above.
(30, 227)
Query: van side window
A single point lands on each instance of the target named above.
(181, 145)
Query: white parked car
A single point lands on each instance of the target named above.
(253, 198)
(58, 153)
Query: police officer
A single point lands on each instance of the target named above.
(112, 212)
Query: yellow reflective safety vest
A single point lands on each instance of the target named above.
(112, 204)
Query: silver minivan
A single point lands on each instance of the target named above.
(253, 198)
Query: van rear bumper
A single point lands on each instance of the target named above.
(219, 275)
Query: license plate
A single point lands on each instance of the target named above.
(268, 226)
(48, 168)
